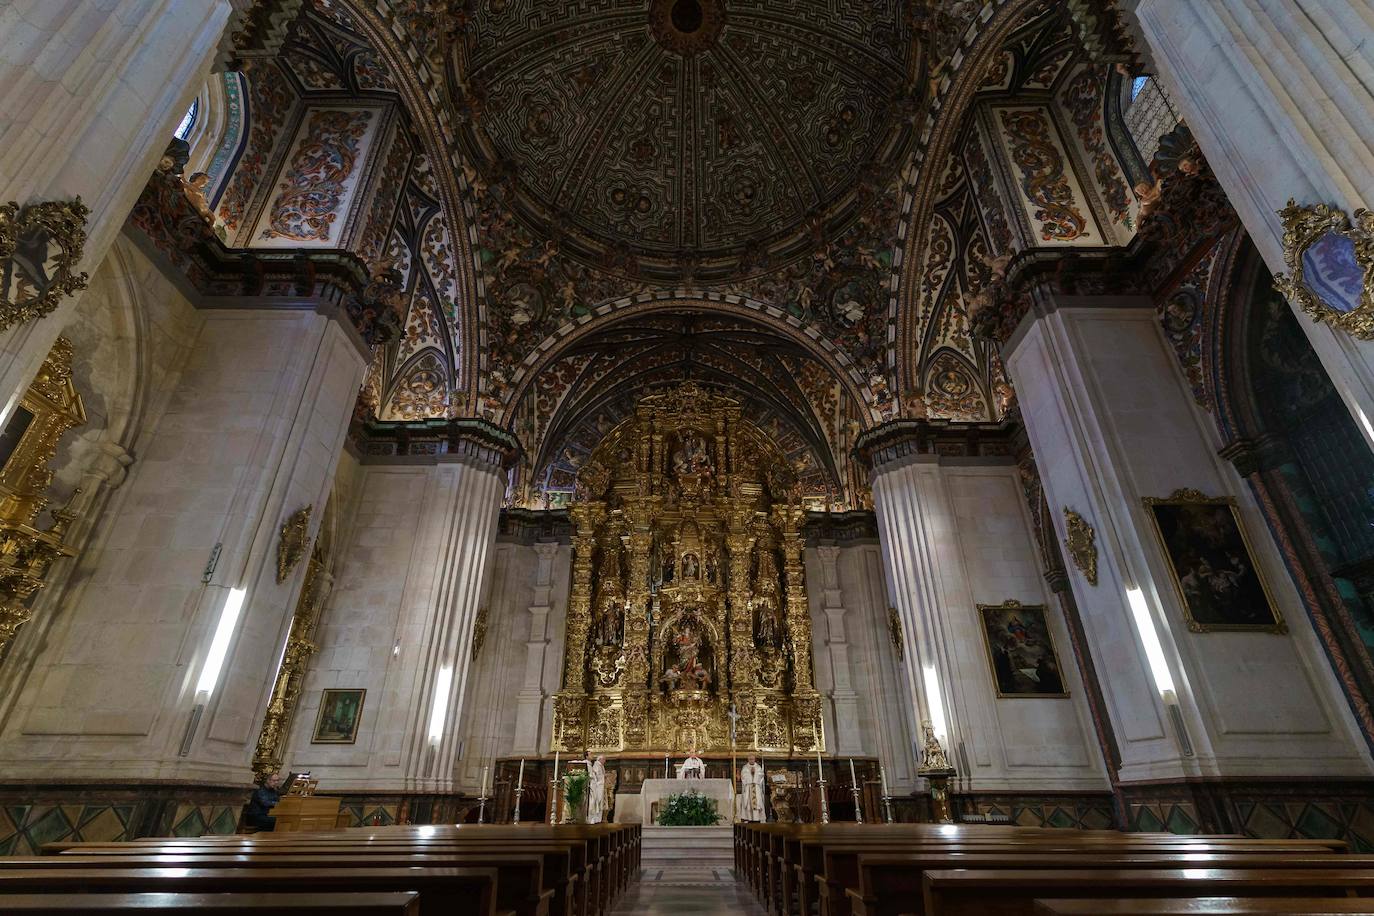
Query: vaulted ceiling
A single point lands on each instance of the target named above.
(603, 196)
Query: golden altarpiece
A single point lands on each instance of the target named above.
(688, 606)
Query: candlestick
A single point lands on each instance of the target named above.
(854, 788)
(887, 799)
(519, 791)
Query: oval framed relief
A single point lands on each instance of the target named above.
(1331, 265)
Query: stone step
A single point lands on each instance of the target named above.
(700, 847)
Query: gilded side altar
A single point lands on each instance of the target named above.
(688, 594)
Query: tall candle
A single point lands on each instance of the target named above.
(483, 793)
(665, 767)
(520, 781)
(882, 775)
(555, 766)
(820, 767)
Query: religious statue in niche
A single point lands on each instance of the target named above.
(693, 456)
(691, 566)
(606, 635)
(688, 659)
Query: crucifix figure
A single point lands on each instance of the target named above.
(734, 720)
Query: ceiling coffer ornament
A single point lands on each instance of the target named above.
(1331, 265)
(1081, 542)
(40, 246)
(292, 542)
(661, 140)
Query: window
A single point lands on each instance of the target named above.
(189, 121)
(1149, 115)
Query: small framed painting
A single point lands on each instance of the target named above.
(1021, 650)
(1212, 565)
(340, 713)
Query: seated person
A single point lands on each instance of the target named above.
(692, 767)
(263, 800)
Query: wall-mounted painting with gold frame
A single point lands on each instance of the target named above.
(341, 711)
(1331, 266)
(1212, 565)
(1021, 650)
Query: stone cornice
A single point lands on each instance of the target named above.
(468, 437)
(899, 441)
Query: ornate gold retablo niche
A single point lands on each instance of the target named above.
(688, 595)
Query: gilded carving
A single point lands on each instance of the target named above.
(40, 246)
(1330, 266)
(1081, 542)
(47, 410)
(479, 631)
(292, 541)
(688, 594)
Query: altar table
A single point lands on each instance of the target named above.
(638, 809)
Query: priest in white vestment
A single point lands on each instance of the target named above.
(596, 790)
(749, 802)
(692, 767)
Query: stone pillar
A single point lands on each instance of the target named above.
(529, 714)
(1280, 95)
(955, 535)
(90, 93)
(409, 588)
(252, 433)
(1111, 421)
(844, 700)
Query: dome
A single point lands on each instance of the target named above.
(686, 136)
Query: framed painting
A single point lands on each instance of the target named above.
(1021, 650)
(1212, 565)
(340, 713)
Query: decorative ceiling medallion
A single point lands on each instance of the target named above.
(668, 142)
(686, 27)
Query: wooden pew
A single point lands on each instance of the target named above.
(832, 870)
(520, 885)
(1013, 892)
(583, 848)
(447, 891)
(311, 904)
(1209, 906)
(887, 883)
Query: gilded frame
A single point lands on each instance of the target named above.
(351, 735)
(1306, 226)
(1194, 498)
(1033, 610)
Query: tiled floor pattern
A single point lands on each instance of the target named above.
(682, 890)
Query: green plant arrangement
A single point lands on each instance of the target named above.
(689, 809)
(575, 793)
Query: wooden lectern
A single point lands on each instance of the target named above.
(296, 813)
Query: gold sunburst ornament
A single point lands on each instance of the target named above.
(40, 246)
(1081, 542)
(291, 546)
(1330, 266)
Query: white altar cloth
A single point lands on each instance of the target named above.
(637, 809)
